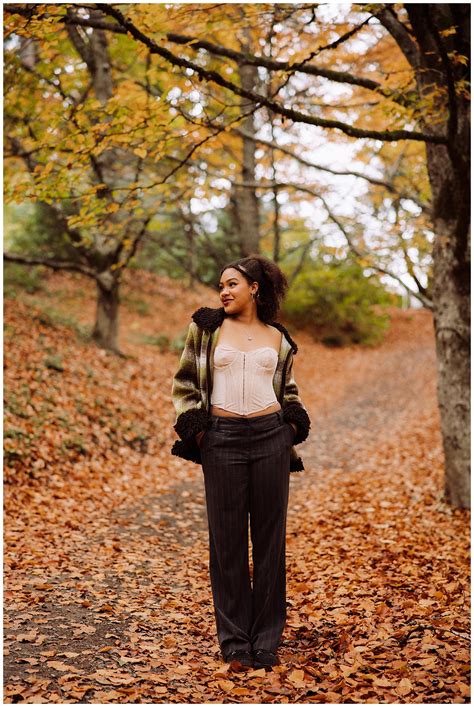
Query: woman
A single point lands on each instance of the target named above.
(239, 415)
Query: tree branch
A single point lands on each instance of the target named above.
(285, 66)
(374, 266)
(388, 19)
(342, 172)
(50, 263)
(425, 207)
(241, 58)
(297, 116)
(214, 76)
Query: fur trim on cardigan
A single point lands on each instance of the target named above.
(293, 412)
(296, 464)
(210, 318)
(191, 422)
(187, 449)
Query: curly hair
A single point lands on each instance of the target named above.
(272, 283)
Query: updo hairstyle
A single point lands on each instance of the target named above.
(272, 283)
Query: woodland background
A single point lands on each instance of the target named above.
(145, 146)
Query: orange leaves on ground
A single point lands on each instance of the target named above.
(107, 594)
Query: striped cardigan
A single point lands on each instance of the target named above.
(192, 385)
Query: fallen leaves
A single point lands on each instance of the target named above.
(107, 594)
(296, 678)
(56, 665)
(226, 685)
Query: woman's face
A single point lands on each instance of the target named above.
(235, 291)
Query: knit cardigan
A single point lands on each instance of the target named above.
(192, 386)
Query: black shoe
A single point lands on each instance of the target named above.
(264, 659)
(239, 659)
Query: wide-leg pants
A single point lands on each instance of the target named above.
(246, 467)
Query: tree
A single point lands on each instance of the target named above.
(438, 48)
(80, 137)
(60, 161)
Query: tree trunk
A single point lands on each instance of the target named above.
(442, 31)
(276, 205)
(94, 51)
(451, 320)
(276, 227)
(106, 317)
(451, 310)
(192, 254)
(246, 208)
(449, 173)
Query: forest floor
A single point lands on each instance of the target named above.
(106, 592)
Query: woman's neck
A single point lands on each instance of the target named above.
(247, 318)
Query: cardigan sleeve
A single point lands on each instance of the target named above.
(291, 394)
(293, 408)
(191, 417)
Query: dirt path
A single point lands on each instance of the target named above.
(108, 598)
(397, 388)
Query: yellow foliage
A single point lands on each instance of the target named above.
(457, 58)
(447, 32)
(66, 137)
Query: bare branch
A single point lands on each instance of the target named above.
(275, 146)
(50, 263)
(342, 172)
(374, 266)
(388, 18)
(299, 266)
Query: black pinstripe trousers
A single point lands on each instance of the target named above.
(246, 467)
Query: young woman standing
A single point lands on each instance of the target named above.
(239, 414)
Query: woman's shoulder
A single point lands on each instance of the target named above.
(286, 334)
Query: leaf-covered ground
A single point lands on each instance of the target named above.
(107, 596)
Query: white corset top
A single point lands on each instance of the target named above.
(243, 380)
